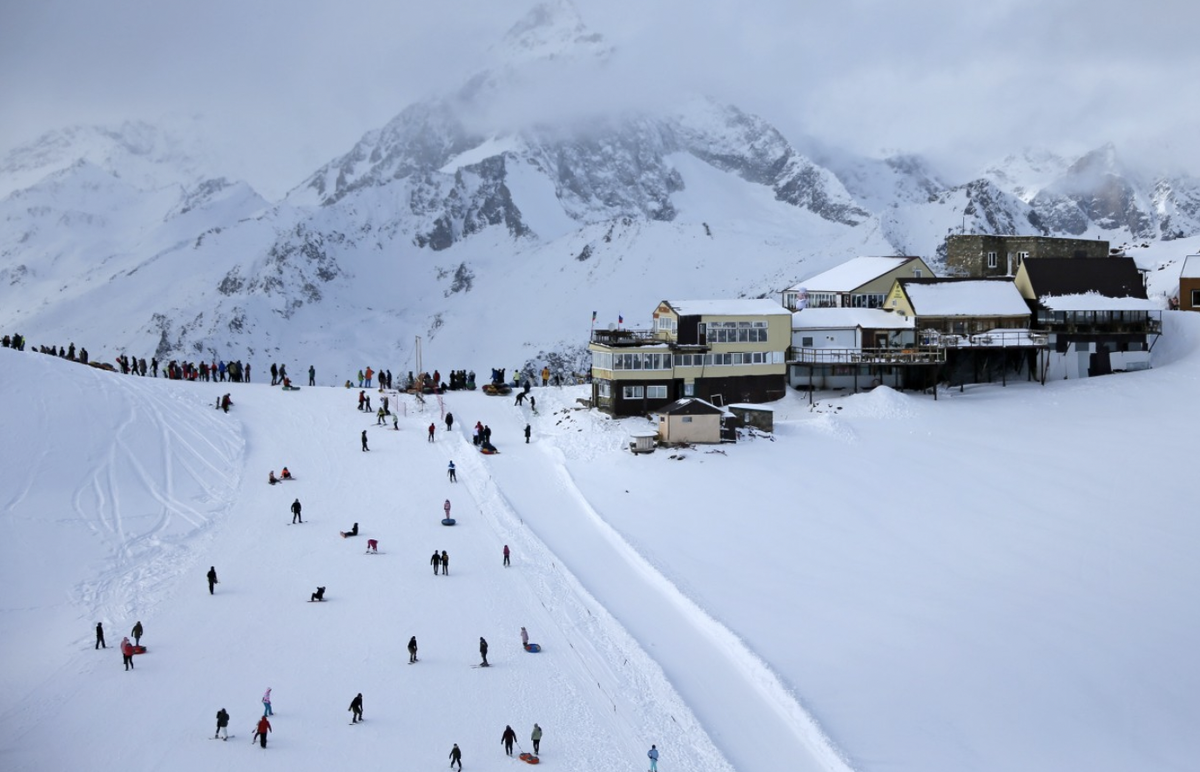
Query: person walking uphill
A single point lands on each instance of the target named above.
(507, 739)
(536, 737)
(212, 578)
(222, 723)
(296, 512)
(456, 757)
(356, 709)
(451, 472)
(136, 632)
(449, 421)
(528, 431)
(100, 636)
(364, 441)
(266, 701)
(127, 653)
(260, 733)
(483, 652)
(506, 555)
(653, 755)
(436, 560)
(412, 650)
(432, 429)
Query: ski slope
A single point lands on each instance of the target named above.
(1000, 579)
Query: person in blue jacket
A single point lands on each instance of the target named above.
(653, 754)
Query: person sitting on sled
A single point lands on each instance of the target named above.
(352, 532)
(285, 474)
(271, 478)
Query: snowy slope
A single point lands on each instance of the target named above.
(992, 581)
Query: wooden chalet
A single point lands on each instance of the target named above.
(863, 282)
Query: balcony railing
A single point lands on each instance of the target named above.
(924, 355)
(619, 338)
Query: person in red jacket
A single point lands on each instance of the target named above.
(127, 653)
(264, 726)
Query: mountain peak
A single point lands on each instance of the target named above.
(551, 29)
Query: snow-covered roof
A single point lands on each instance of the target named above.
(849, 318)
(681, 405)
(1191, 267)
(750, 406)
(728, 307)
(1094, 301)
(965, 298)
(851, 274)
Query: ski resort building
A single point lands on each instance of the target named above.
(1189, 284)
(981, 256)
(863, 282)
(1095, 312)
(721, 351)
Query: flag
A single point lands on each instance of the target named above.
(620, 319)
(593, 316)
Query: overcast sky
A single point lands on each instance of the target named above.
(285, 85)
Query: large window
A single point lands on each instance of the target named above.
(724, 359)
(602, 360)
(822, 300)
(866, 301)
(640, 361)
(632, 392)
(656, 392)
(665, 324)
(603, 389)
(737, 332)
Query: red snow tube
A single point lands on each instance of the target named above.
(529, 758)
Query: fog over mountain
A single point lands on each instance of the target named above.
(492, 216)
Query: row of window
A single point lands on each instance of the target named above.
(736, 332)
(653, 391)
(605, 360)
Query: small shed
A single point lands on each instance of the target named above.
(690, 419)
(758, 416)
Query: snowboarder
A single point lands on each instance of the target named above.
(296, 512)
(222, 724)
(528, 431)
(507, 739)
(483, 651)
(449, 421)
(456, 757)
(524, 638)
(450, 472)
(316, 597)
(356, 709)
(127, 653)
(260, 733)
(432, 428)
(537, 733)
(445, 563)
(412, 651)
(100, 636)
(506, 556)
(212, 578)
(136, 632)
(653, 754)
(436, 560)
(352, 532)
(364, 441)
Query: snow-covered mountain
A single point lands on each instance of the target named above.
(472, 209)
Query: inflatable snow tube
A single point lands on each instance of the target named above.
(533, 648)
(448, 521)
(529, 758)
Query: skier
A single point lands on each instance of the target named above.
(296, 512)
(450, 472)
(653, 754)
(507, 739)
(222, 723)
(445, 563)
(505, 555)
(136, 632)
(436, 560)
(537, 733)
(127, 653)
(100, 636)
(432, 428)
(356, 709)
(212, 578)
(456, 757)
(449, 421)
(524, 638)
(260, 733)
(528, 431)
(483, 651)
(312, 376)
(364, 441)
(412, 653)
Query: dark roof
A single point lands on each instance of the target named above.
(690, 406)
(1112, 277)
